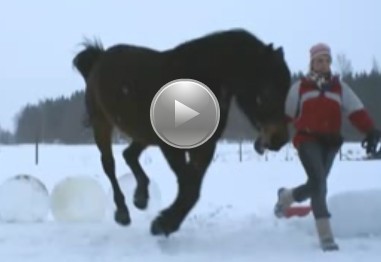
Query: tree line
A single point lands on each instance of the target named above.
(62, 119)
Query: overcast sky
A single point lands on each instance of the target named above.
(39, 38)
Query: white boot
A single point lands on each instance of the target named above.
(285, 200)
(326, 238)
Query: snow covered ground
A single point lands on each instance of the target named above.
(233, 221)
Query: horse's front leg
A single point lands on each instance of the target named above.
(189, 178)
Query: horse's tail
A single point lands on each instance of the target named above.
(86, 59)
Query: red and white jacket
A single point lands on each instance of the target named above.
(314, 110)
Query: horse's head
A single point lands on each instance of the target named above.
(262, 96)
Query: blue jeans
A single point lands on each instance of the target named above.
(317, 160)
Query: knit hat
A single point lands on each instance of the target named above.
(319, 49)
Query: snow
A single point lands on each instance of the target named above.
(127, 183)
(78, 199)
(233, 221)
(360, 217)
(23, 198)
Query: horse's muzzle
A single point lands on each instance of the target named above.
(277, 142)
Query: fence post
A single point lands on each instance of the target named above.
(36, 150)
(287, 150)
(340, 154)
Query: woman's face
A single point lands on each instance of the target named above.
(321, 64)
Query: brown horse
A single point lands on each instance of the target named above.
(122, 81)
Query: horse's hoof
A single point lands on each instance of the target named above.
(122, 217)
(162, 226)
(141, 201)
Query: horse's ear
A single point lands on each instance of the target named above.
(279, 52)
(268, 49)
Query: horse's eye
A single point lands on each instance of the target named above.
(259, 100)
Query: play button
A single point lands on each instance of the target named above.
(185, 113)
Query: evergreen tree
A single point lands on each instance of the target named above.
(62, 119)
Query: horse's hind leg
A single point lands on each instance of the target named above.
(131, 156)
(189, 178)
(103, 138)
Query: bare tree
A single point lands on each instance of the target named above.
(344, 65)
